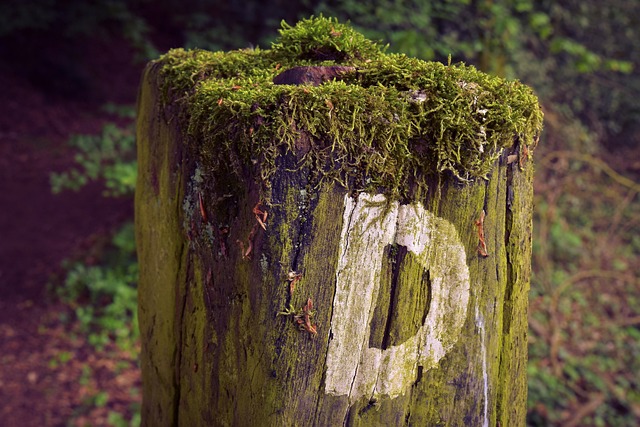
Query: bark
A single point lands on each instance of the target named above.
(416, 321)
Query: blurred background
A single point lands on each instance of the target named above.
(69, 72)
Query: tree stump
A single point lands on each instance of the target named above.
(348, 251)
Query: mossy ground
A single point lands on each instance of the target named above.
(395, 120)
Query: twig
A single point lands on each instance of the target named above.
(597, 163)
(304, 319)
(629, 321)
(261, 216)
(591, 406)
(202, 211)
(293, 278)
(524, 156)
(588, 274)
(482, 246)
(246, 253)
(222, 232)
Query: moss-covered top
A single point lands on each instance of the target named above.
(395, 119)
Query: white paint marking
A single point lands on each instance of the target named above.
(485, 376)
(354, 368)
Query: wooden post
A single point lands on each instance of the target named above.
(349, 245)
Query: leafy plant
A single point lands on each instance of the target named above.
(102, 292)
(104, 297)
(118, 420)
(67, 20)
(60, 358)
(109, 157)
(584, 341)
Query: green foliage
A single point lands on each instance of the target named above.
(118, 420)
(395, 116)
(411, 27)
(584, 301)
(576, 53)
(104, 296)
(233, 24)
(482, 32)
(95, 400)
(203, 31)
(586, 62)
(109, 157)
(60, 358)
(78, 19)
(15, 16)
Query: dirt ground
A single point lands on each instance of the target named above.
(48, 374)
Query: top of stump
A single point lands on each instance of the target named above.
(346, 109)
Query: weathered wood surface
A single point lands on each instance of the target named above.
(321, 252)
(414, 325)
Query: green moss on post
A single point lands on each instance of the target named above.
(349, 201)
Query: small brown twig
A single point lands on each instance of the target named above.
(482, 245)
(578, 415)
(241, 244)
(293, 278)
(222, 233)
(304, 319)
(261, 216)
(246, 253)
(192, 231)
(202, 211)
(524, 156)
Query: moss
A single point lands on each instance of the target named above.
(323, 39)
(395, 120)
